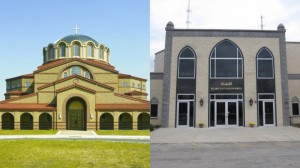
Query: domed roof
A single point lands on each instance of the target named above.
(77, 37)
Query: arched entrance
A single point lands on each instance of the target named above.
(8, 121)
(106, 122)
(26, 121)
(144, 121)
(45, 121)
(76, 114)
(125, 122)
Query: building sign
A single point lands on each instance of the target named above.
(226, 85)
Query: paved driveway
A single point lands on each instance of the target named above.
(224, 135)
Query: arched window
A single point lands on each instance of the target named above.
(52, 53)
(265, 68)
(87, 74)
(154, 107)
(133, 85)
(101, 53)
(65, 74)
(139, 86)
(76, 70)
(226, 61)
(76, 50)
(62, 50)
(90, 50)
(124, 84)
(295, 106)
(186, 63)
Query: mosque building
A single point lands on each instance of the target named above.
(225, 78)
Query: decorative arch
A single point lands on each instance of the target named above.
(154, 100)
(8, 121)
(144, 121)
(265, 64)
(68, 70)
(26, 121)
(45, 121)
(226, 61)
(106, 121)
(187, 63)
(125, 121)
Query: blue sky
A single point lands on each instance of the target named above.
(28, 26)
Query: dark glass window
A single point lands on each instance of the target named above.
(265, 68)
(154, 108)
(185, 97)
(52, 53)
(186, 65)
(76, 50)
(295, 107)
(226, 61)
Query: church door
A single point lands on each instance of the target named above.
(76, 114)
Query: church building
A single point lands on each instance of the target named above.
(76, 88)
(225, 78)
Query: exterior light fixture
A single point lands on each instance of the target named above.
(251, 102)
(91, 116)
(201, 102)
(59, 116)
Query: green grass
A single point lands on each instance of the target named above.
(27, 132)
(124, 132)
(72, 153)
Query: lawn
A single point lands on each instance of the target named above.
(72, 153)
(27, 132)
(124, 132)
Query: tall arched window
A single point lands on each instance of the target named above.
(154, 107)
(90, 50)
(265, 67)
(186, 63)
(226, 61)
(101, 53)
(76, 50)
(76, 70)
(52, 53)
(62, 50)
(295, 106)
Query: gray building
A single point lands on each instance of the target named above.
(225, 78)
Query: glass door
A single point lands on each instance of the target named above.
(182, 114)
(269, 116)
(226, 113)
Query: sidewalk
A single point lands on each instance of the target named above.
(81, 135)
(225, 135)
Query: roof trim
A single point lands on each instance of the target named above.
(75, 86)
(27, 106)
(18, 98)
(124, 107)
(76, 76)
(56, 63)
(126, 76)
(131, 98)
(26, 76)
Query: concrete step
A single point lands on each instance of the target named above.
(75, 133)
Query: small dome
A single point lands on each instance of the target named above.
(78, 37)
(170, 26)
(280, 27)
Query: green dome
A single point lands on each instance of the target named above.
(78, 37)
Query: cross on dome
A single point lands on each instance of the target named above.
(76, 29)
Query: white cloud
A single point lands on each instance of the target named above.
(222, 14)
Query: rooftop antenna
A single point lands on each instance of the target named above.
(261, 22)
(188, 11)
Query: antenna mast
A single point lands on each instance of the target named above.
(188, 11)
(261, 22)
